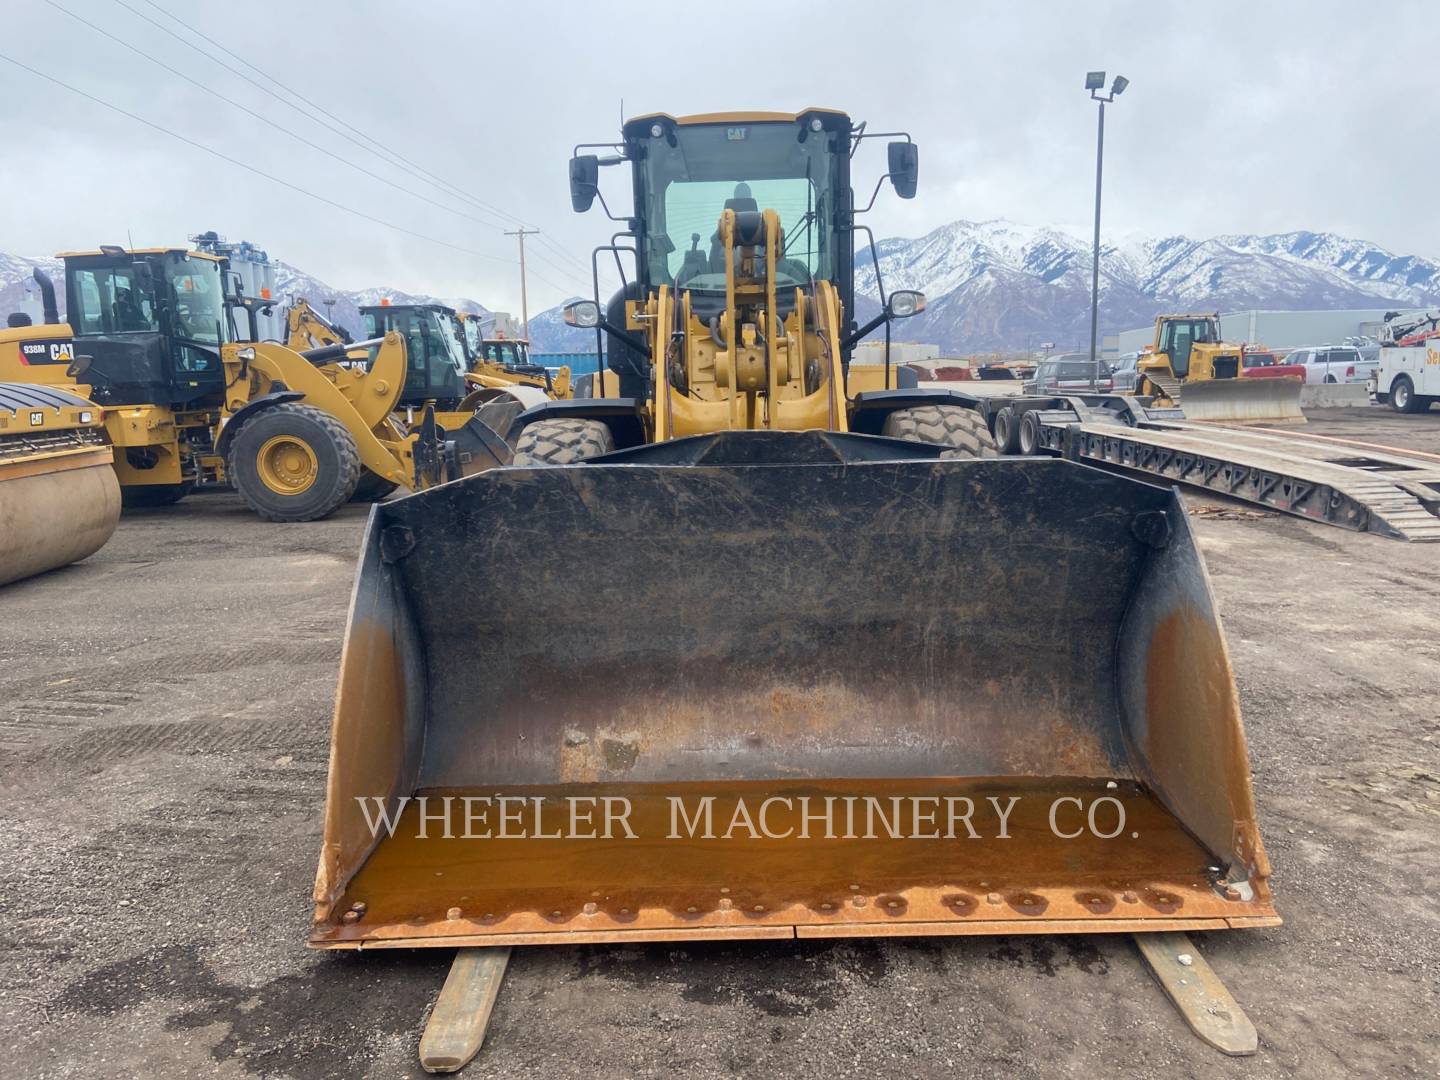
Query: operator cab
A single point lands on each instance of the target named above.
(1179, 337)
(148, 325)
(434, 347)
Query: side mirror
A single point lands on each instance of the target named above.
(904, 168)
(79, 366)
(582, 313)
(905, 302)
(584, 181)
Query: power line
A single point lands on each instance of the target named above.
(266, 120)
(251, 168)
(369, 143)
(368, 146)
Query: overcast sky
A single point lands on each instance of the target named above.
(1246, 117)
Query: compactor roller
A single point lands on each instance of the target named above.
(59, 499)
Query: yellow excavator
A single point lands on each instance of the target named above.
(819, 665)
(151, 339)
(1189, 365)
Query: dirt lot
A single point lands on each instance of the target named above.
(164, 712)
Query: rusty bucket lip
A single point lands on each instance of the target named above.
(1161, 884)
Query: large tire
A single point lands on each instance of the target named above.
(562, 442)
(1403, 397)
(372, 487)
(144, 496)
(955, 426)
(293, 462)
(1007, 430)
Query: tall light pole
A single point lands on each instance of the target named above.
(1095, 83)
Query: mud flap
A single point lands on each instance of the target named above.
(838, 638)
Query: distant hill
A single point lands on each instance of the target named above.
(994, 285)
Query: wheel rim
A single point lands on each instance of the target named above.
(287, 465)
(1402, 395)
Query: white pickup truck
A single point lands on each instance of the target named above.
(1408, 376)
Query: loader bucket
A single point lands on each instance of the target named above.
(1244, 401)
(641, 701)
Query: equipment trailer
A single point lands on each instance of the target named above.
(1363, 489)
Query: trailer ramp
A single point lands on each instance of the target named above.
(1386, 492)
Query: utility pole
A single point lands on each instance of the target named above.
(523, 232)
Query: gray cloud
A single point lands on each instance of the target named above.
(1246, 118)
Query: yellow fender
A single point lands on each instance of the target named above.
(382, 449)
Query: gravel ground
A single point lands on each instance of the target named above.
(164, 712)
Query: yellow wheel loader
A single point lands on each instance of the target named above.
(820, 664)
(59, 499)
(501, 362)
(435, 377)
(1189, 366)
(151, 340)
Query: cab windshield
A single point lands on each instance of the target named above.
(432, 338)
(743, 167)
(126, 298)
(509, 352)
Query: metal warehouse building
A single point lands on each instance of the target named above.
(1278, 329)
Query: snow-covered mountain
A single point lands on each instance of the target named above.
(1002, 285)
(998, 284)
(19, 293)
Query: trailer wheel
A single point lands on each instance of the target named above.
(1007, 430)
(1030, 428)
(372, 487)
(1403, 397)
(562, 442)
(962, 429)
(293, 462)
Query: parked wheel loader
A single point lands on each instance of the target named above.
(59, 499)
(501, 362)
(819, 665)
(151, 339)
(1189, 366)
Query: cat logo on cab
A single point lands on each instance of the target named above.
(47, 352)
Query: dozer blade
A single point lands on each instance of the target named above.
(931, 688)
(1243, 401)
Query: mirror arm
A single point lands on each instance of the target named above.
(873, 195)
(849, 343)
(606, 206)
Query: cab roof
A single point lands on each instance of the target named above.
(737, 117)
(144, 251)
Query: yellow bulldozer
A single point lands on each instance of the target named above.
(819, 664)
(151, 339)
(1189, 365)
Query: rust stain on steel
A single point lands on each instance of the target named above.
(367, 748)
(652, 886)
(1194, 728)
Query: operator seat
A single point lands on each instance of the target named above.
(741, 202)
